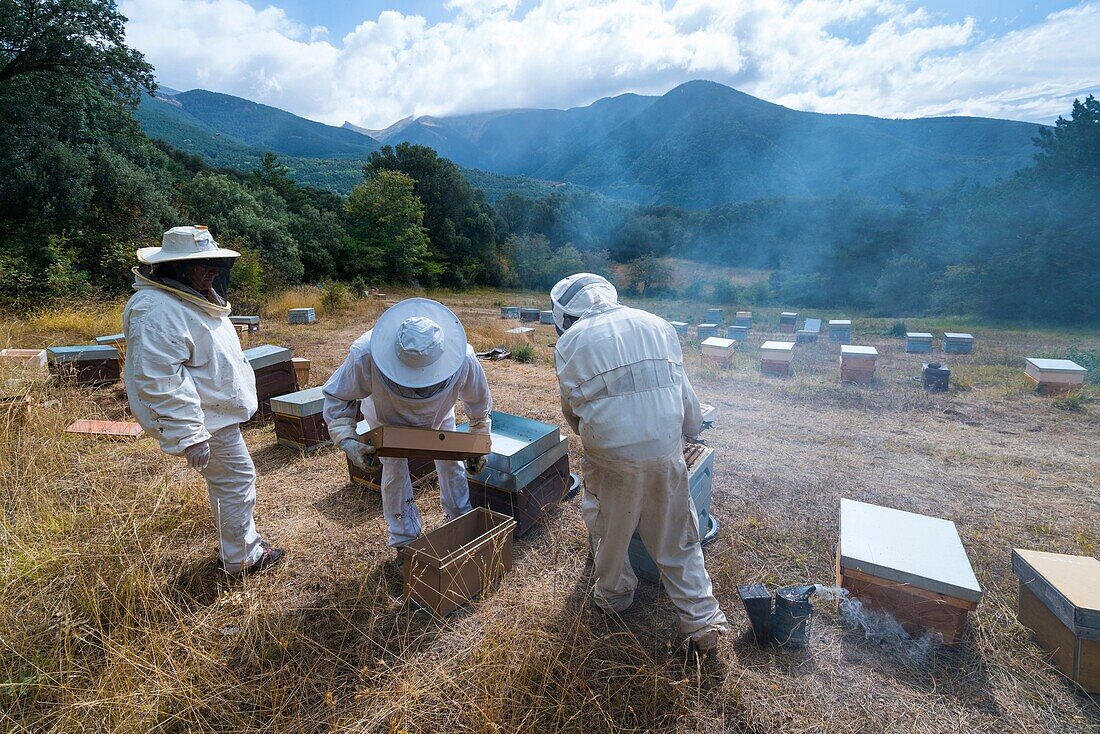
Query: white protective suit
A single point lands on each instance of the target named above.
(624, 391)
(188, 381)
(359, 379)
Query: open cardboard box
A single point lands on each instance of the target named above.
(425, 443)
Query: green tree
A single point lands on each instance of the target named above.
(386, 228)
(648, 276)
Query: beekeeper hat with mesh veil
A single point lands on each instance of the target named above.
(574, 295)
(418, 343)
(180, 244)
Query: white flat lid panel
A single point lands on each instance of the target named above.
(840, 322)
(678, 323)
(708, 326)
(858, 351)
(957, 335)
(906, 548)
(789, 313)
(918, 335)
(1056, 365)
(717, 341)
(777, 347)
(520, 330)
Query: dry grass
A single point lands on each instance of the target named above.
(113, 618)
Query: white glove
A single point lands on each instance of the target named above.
(198, 455)
(358, 452)
(483, 426)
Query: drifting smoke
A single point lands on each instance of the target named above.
(881, 628)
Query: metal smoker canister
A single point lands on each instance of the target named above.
(793, 615)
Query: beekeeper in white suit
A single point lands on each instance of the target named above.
(190, 386)
(408, 371)
(624, 391)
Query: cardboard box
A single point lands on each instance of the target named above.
(108, 429)
(86, 366)
(1054, 376)
(302, 316)
(420, 470)
(719, 349)
(918, 342)
(519, 336)
(449, 566)
(426, 443)
(252, 322)
(912, 566)
(840, 331)
(275, 375)
(957, 342)
(1059, 602)
(299, 420)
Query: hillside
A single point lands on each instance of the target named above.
(703, 144)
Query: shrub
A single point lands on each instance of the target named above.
(1071, 401)
(334, 297)
(898, 329)
(524, 353)
(358, 287)
(725, 291)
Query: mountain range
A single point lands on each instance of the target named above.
(699, 145)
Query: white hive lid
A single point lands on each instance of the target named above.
(1056, 365)
(957, 335)
(719, 342)
(840, 322)
(777, 347)
(302, 403)
(918, 335)
(789, 313)
(708, 326)
(906, 548)
(678, 323)
(520, 330)
(851, 349)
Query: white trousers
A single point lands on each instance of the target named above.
(231, 483)
(653, 498)
(398, 505)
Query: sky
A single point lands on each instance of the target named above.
(373, 62)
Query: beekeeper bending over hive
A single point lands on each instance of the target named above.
(408, 371)
(624, 391)
(190, 386)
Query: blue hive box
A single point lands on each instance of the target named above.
(714, 315)
(706, 331)
(509, 312)
(737, 333)
(302, 316)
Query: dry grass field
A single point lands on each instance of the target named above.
(112, 617)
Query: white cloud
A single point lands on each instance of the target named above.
(562, 53)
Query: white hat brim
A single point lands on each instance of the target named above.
(383, 343)
(156, 255)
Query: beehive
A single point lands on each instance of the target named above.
(918, 342)
(546, 317)
(86, 366)
(519, 336)
(811, 329)
(912, 566)
(787, 321)
(776, 358)
(529, 315)
(719, 349)
(275, 375)
(706, 331)
(302, 316)
(857, 364)
(420, 470)
(957, 342)
(714, 316)
(737, 333)
(299, 420)
(509, 312)
(252, 322)
(743, 318)
(1059, 601)
(681, 327)
(840, 331)
(29, 360)
(1054, 376)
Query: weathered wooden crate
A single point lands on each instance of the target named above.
(719, 349)
(242, 334)
(275, 375)
(912, 566)
(528, 504)
(840, 331)
(857, 364)
(918, 342)
(447, 567)
(24, 360)
(302, 316)
(301, 370)
(299, 420)
(86, 366)
(1054, 376)
(957, 342)
(1059, 602)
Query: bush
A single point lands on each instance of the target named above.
(524, 353)
(758, 293)
(358, 287)
(725, 292)
(334, 297)
(898, 329)
(1071, 401)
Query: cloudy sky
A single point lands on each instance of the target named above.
(373, 62)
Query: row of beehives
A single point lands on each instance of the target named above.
(527, 315)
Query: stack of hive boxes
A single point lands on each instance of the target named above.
(958, 343)
(706, 331)
(918, 342)
(700, 463)
(787, 321)
(719, 349)
(87, 366)
(299, 420)
(252, 322)
(857, 364)
(527, 472)
(1054, 376)
(912, 566)
(275, 375)
(840, 331)
(809, 332)
(302, 316)
(776, 358)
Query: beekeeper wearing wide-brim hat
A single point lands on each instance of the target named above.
(625, 392)
(409, 370)
(189, 384)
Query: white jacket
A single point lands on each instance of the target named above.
(623, 386)
(358, 378)
(186, 375)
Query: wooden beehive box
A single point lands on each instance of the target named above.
(299, 419)
(840, 331)
(737, 333)
(546, 317)
(451, 565)
(776, 357)
(252, 322)
(681, 327)
(88, 365)
(743, 318)
(302, 316)
(912, 566)
(301, 370)
(509, 312)
(706, 331)
(427, 443)
(519, 336)
(420, 470)
(29, 360)
(1059, 602)
(118, 341)
(1054, 376)
(719, 349)
(958, 343)
(714, 316)
(811, 329)
(857, 364)
(787, 321)
(918, 342)
(275, 375)
(529, 315)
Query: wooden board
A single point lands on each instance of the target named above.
(426, 443)
(914, 608)
(1079, 660)
(110, 429)
(772, 367)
